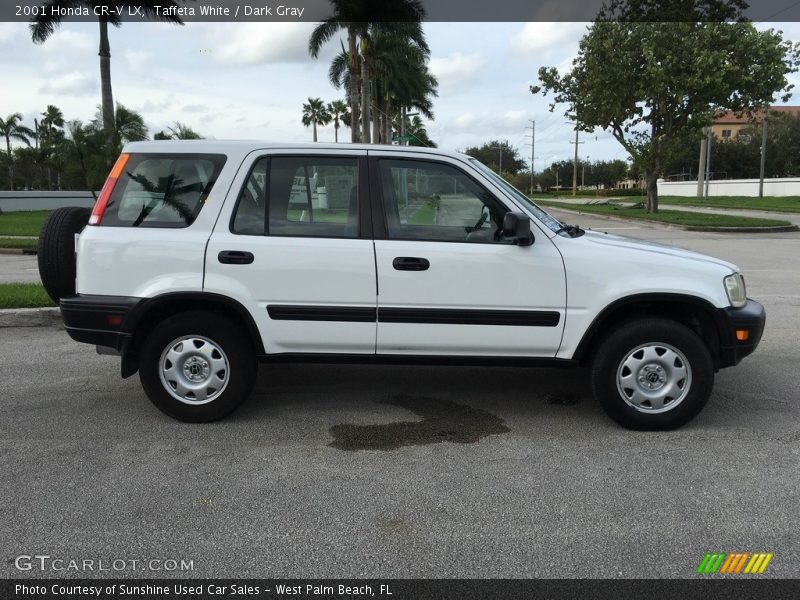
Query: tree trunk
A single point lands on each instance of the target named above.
(105, 86)
(355, 135)
(388, 123)
(651, 177)
(365, 94)
(314, 125)
(10, 164)
(376, 127)
(336, 131)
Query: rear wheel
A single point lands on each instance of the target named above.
(652, 374)
(56, 250)
(197, 366)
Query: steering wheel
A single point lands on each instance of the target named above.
(481, 221)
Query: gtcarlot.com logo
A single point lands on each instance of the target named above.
(45, 562)
(735, 563)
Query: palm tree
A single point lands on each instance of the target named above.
(338, 110)
(360, 18)
(416, 129)
(52, 122)
(12, 129)
(315, 112)
(401, 78)
(405, 22)
(129, 126)
(180, 131)
(48, 21)
(348, 15)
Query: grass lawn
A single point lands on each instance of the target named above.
(23, 243)
(22, 223)
(774, 203)
(425, 215)
(23, 295)
(673, 217)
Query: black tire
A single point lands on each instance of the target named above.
(659, 335)
(223, 335)
(56, 250)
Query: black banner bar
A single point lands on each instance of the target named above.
(298, 11)
(744, 588)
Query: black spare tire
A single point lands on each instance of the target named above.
(56, 251)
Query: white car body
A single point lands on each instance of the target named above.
(385, 285)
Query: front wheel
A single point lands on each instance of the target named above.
(652, 374)
(197, 366)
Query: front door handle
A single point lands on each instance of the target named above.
(411, 263)
(235, 257)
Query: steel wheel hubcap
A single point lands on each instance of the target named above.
(194, 370)
(654, 378)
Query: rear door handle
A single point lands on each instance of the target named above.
(235, 257)
(411, 263)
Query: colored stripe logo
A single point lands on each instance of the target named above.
(735, 563)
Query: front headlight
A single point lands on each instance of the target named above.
(734, 286)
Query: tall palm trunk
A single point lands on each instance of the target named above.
(105, 85)
(315, 130)
(387, 121)
(336, 131)
(10, 164)
(376, 126)
(365, 91)
(355, 135)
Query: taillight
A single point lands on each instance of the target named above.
(108, 188)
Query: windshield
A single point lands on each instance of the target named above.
(547, 219)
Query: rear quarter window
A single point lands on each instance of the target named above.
(162, 190)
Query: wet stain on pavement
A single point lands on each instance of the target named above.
(564, 398)
(393, 527)
(442, 421)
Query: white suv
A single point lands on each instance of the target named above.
(202, 258)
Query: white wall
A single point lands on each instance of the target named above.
(789, 186)
(19, 201)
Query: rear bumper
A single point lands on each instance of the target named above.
(98, 320)
(749, 319)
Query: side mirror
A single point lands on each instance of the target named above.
(518, 226)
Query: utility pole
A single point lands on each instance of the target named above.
(708, 160)
(701, 169)
(575, 163)
(500, 166)
(533, 141)
(763, 155)
(583, 173)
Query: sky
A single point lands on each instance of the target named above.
(249, 80)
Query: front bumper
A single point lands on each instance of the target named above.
(98, 320)
(749, 319)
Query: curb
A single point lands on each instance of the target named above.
(775, 229)
(49, 316)
(18, 251)
(699, 228)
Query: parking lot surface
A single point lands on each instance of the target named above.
(397, 471)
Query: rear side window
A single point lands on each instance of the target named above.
(299, 196)
(162, 190)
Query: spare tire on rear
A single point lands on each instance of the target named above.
(57, 250)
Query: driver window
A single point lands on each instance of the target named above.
(437, 202)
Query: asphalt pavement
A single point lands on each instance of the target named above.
(397, 471)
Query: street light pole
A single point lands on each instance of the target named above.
(763, 156)
(500, 166)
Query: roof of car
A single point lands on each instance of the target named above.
(225, 146)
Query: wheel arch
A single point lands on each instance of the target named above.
(151, 311)
(696, 313)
